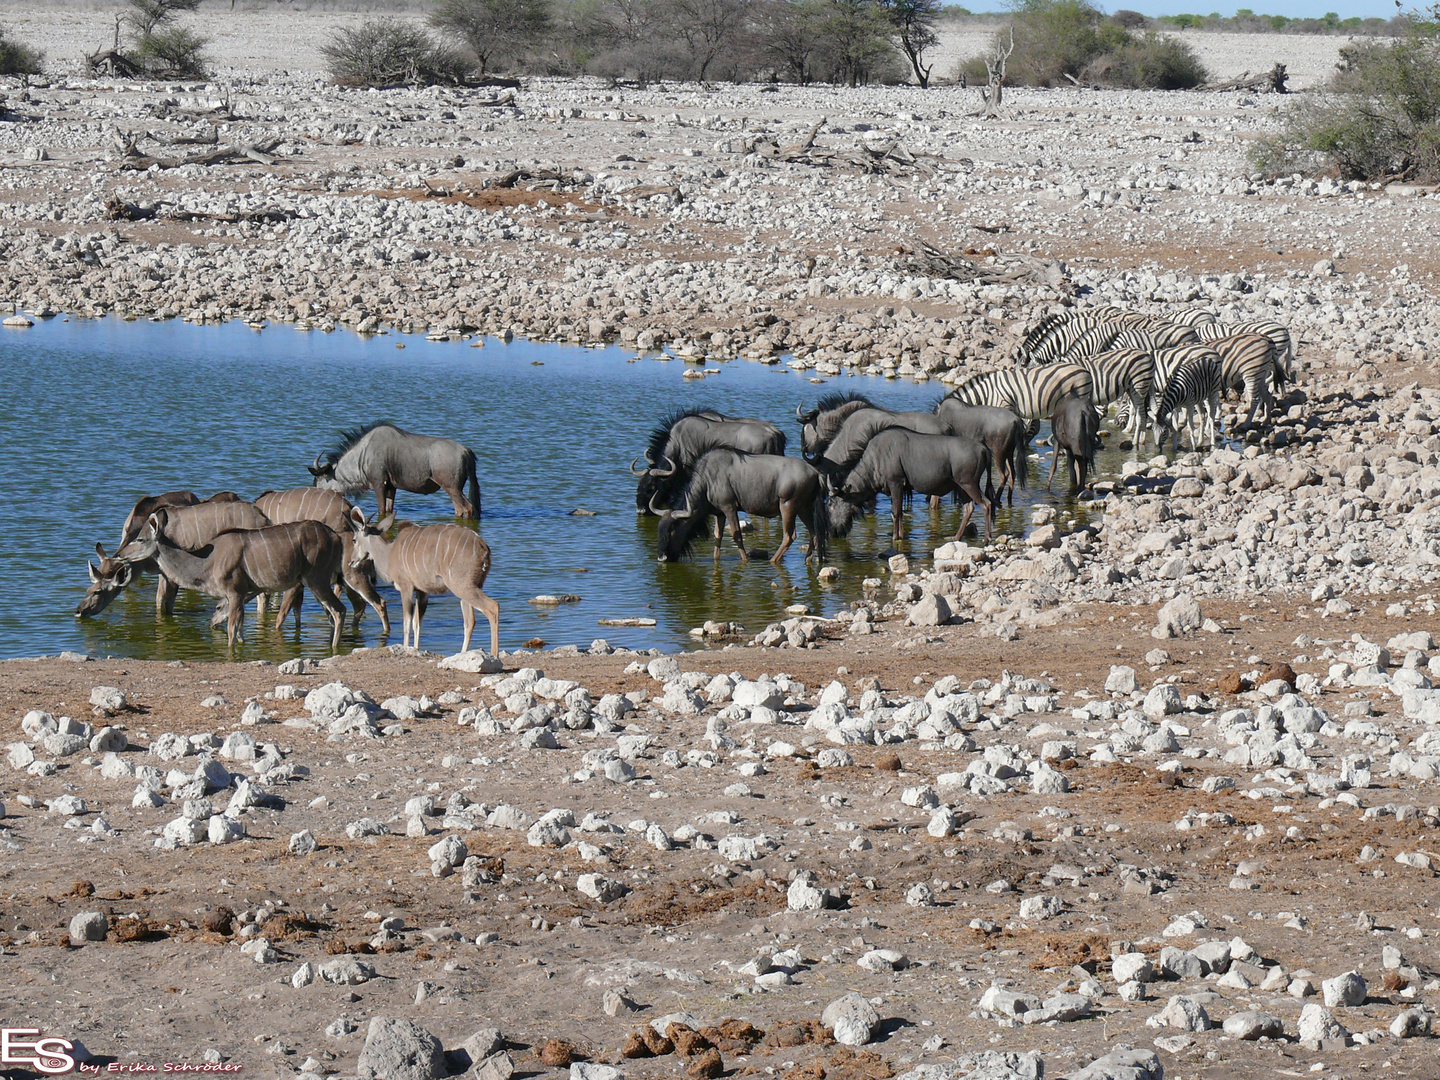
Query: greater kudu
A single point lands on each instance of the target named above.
(427, 559)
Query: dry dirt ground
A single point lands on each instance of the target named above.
(162, 987)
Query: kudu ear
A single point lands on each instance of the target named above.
(123, 577)
(384, 523)
(100, 550)
(357, 517)
(94, 574)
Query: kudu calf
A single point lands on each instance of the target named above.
(426, 559)
(330, 509)
(248, 562)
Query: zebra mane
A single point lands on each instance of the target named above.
(660, 434)
(350, 436)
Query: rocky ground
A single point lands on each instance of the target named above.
(1154, 789)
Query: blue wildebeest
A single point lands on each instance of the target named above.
(331, 509)
(427, 559)
(1000, 430)
(683, 438)
(898, 461)
(191, 526)
(836, 431)
(725, 482)
(1074, 429)
(382, 458)
(244, 563)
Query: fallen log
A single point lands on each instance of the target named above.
(1272, 82)
(989, 267)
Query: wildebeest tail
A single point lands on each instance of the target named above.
(1020, 462)
(820, 515)
(473, 480)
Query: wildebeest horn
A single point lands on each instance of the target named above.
(800, 412)
(656, 471)
(642, 472)
(317, 468)
(680, 515)
(658, 511)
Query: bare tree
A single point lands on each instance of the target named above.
(994, 87)
(494, 29)
(708, 28)
(913, 24)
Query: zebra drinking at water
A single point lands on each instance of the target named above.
(1195, 386)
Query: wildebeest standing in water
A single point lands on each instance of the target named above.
(683, 438)
(426, 559)
(382, 458)
(725, 482)
(1075, 429)
(898, 461)
(999, 429)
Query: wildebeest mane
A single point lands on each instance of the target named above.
(660, 434)
(837, 398)
(350, 436)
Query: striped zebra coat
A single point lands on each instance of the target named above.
(1030, 393)
(1166, 363)
(1279, 334)
(1127, 374)
(1195, 387)
(1247, 363)
(1110, 336)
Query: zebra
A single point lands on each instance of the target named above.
(1195, 384)
(1052, 337)
(1166, 362)
(1194, 317)
(1123, 373)
(1031, 394)
(1276, 332)
(1248, 365)
(1109, 336)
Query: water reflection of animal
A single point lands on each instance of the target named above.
(382, 458)
(897, 462)
(427, 559)
(683, 438)
(244, 563)
(331, 509)
(725, 482)
(191, 527)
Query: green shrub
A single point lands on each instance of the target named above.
(1149, 62)
(159, 45)
(1060, 40)
(19, 59)
(390, 52)
(1379, 118)
(1056, 38)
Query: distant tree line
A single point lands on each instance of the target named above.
(844, 42)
